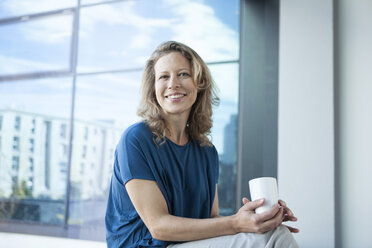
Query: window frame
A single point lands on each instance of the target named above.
(46, 73)
(258, 123)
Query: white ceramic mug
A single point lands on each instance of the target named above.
(264, 187)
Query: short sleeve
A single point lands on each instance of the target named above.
(131, 158)
(217, 164)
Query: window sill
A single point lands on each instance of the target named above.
(15, 240)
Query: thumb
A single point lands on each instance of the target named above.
(245, 200)
(250, 206)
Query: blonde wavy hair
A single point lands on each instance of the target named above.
(200, 119)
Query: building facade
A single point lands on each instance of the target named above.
(34, 152)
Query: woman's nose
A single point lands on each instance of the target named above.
(173, 83)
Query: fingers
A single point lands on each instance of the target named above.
(283, 204)
(272, 222)
(292, 229)
(289, 218)
(245, 200)
(252, 205)
(271, 213)
(288, 213)
(260, 223)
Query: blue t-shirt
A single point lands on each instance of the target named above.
(186, 175)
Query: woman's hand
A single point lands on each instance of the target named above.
(288, 216)
(246, 220)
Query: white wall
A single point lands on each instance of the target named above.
(306, 140)
(355, 155)
(306, 168)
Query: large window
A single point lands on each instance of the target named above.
(70, 87)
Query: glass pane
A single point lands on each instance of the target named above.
(225, 131)
(123, 35)
(33, 151)
(9, 8)
(102, 113)
(27, 46)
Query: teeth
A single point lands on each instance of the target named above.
(175, 96)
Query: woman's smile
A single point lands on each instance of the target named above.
(175, 97)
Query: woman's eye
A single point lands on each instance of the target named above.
(184, 74)
(163, 77)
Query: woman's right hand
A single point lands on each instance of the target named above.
(246, 220)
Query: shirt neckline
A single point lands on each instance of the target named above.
(177, 145)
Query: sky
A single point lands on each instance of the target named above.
(116, 36)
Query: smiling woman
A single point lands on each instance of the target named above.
(164, 185)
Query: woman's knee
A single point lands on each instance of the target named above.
(282, 237)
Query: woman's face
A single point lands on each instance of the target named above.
(175, 89)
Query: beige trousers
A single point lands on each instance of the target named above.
(279, 237)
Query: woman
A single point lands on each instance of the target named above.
(164, 185)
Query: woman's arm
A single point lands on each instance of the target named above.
(214, 213)
(152, 208)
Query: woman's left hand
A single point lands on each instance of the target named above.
(288, 216)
